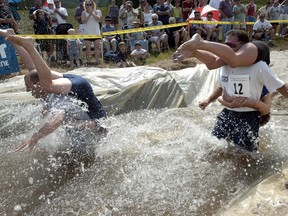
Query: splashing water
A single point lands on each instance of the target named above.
(153, 162)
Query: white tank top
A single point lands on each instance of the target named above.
(92, 26)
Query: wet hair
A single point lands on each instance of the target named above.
(240, 34)
(32, 77)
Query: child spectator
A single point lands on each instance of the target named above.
(139, 54)
(122, 56)
(74, 48)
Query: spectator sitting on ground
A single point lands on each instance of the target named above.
(263, 30)
(139, 54)
(74, 49)
(109, 39)
(122, 56)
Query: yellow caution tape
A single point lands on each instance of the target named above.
(149, 28)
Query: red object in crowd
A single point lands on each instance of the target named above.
(204, 11)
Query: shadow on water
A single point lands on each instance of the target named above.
(153, 162)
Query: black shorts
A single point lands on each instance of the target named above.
(242, 128)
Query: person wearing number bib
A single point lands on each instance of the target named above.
(240, 125)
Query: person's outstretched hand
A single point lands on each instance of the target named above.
(27, 143)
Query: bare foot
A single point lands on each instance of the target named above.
(6, 32)
(26, 42)
(181, 54)
(186, 49)
(194, 42)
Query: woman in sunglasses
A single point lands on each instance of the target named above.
(237, 51)
(91, 19)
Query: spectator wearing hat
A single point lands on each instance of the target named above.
(113, 12)
(139, 55)
(263, 30)
(109, 40)
(137, 36)
(121, 59)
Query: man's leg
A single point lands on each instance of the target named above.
(26, 58)
(42, 68)
(247, 55)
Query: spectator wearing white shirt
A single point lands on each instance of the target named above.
(139, 55)
(263, 30)
(61, 13)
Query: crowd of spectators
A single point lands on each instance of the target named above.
(128, 16)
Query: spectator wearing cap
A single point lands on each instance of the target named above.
(137, 36)
(121, 59)
(109, 40)
(139, 55)
(113, 12)
(263, 30)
